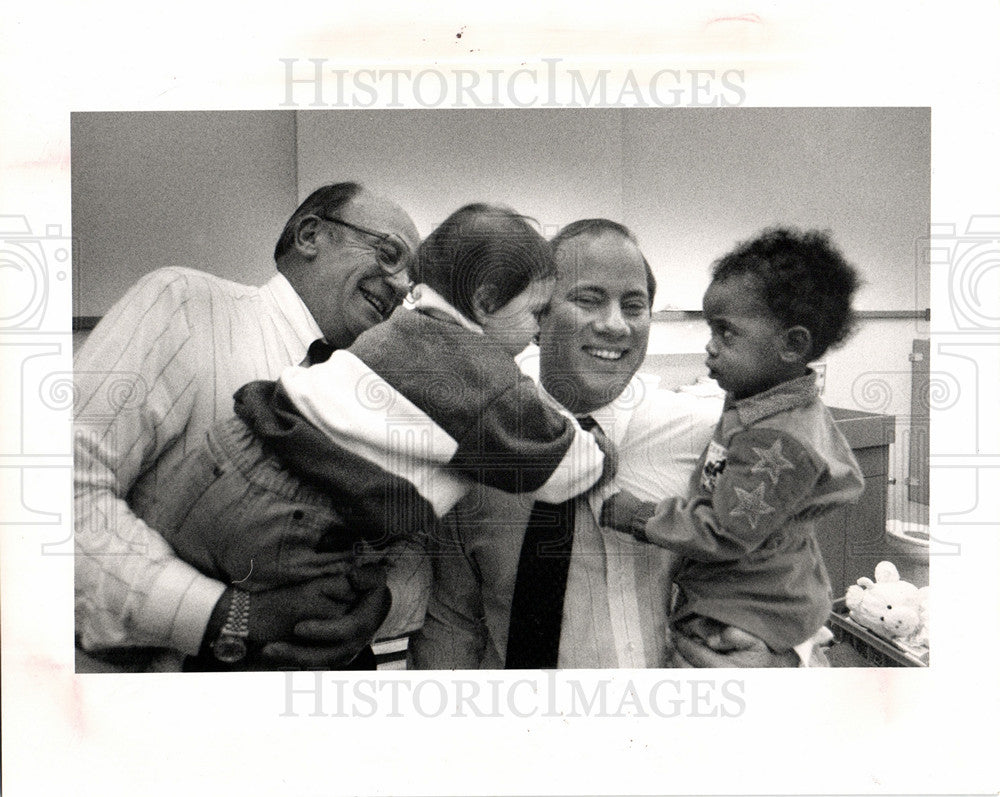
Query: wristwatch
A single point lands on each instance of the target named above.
(231, 644)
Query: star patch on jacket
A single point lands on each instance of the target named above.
(751, 504)
(771, 461)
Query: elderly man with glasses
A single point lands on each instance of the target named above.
(155, 374)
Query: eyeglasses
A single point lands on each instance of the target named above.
(392, 253)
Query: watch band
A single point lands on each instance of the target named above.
(231, 644)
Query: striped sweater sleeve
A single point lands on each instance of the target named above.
(135, 389)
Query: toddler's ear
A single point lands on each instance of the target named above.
(484, 302)
(796, 344)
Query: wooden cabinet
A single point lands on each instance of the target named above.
(853, 539)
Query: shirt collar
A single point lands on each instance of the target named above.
(784, 396)
(283, 301)
(613, 418)
(427, 300)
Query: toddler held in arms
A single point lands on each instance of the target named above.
(776, 462)
(380, 440)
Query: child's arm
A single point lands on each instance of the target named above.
(517, 442)
(591, 459)
(522, 443)
(767, 476)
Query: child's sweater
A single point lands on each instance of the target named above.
(416, 410)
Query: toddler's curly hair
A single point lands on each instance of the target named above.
(803, 279)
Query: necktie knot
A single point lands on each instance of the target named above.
(319, 352)
(587, 423)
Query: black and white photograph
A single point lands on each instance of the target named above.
(622, 318)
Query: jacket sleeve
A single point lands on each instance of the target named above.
(768, 474)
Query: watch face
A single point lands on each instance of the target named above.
(229, 649)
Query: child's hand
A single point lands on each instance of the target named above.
(609, 511)
(701, 642)
(627, 514)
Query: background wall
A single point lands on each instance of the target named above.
(212, 190)
(689, 182)
(555, 165)
(199, 189)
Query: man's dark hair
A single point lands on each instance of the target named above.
(803, 279)
(324, 201)
(597, 227)
(482, 245)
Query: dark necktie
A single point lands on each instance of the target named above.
(319, 352)
(540, 586)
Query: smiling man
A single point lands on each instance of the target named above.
(346, 259)
(151, 379)
(598, 330)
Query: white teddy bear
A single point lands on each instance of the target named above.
(891, 608)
